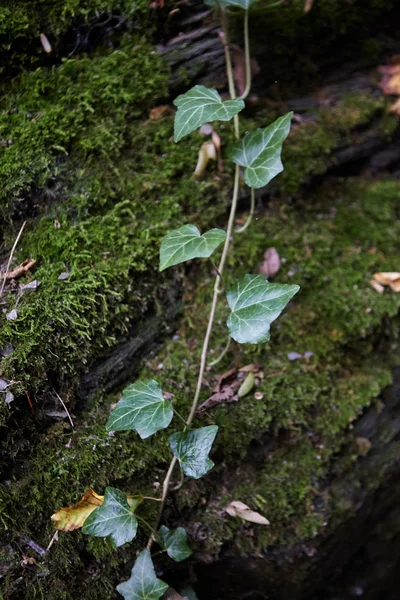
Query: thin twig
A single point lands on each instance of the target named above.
(64, 407)
(10, 258)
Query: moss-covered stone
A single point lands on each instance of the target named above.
(330, 246)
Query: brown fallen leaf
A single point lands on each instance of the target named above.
(391, 279)
(271, 263)
(390, 84)
(377, 286)
(160, 111)
(73, 517)
(395, 108)
(239, 509)
(308, 6)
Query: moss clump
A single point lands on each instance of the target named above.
(80, 107)
(66, 24)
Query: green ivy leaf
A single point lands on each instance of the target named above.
(143, 583)
(186, 243)
(255, 303)
(260, 152)
(142, 408)
(191, 448)
(241, 3)
(202, 105)
(174, 542)
(114, 518)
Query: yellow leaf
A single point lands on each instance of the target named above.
(73, 517)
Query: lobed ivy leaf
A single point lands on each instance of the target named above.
(245, 4)
(143, 583)
(191, 448)
(260, 152)
(255, 303)
(186, 243)
(142, 408)
(114, 518)
(201, 105)
(174, 542)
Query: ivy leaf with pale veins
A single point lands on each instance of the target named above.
(240, 3)
(185, 243)
(143, 583)
(202, 105)
(114, 518)
(260, 152)
(174, 541)
(255, 304)
(142, 408)
(191, 448)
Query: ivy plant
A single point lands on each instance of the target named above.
(253, 302)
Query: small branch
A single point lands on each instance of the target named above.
(11, 256)
(251, 213)
(23, 268)
(64, 407)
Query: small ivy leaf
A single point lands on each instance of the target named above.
(191, 448)
(255, 304)
(143, 583)
(174, 542)
(260, 152)
(114, 518)
(201, 105)
(240, 3)
(186, 243)
(142, 408)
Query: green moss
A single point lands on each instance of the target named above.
(331, 245)
(22, 23)
(81, 106)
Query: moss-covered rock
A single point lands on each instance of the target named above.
(274, 453)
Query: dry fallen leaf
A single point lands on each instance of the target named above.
(271, 263)
(390, 84)
(207, 152)
(160, 111)
(239, 509)
(308, 5)
(73, 517)
(391, 279)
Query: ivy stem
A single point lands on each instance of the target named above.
(251, 213)
(218, 279)
(221, 356)
(246, 55)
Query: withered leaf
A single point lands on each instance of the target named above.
(308, 6)
(391, 279)
(239, 509)
(73, 517)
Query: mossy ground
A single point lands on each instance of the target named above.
(330, 246)
(100, 184)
